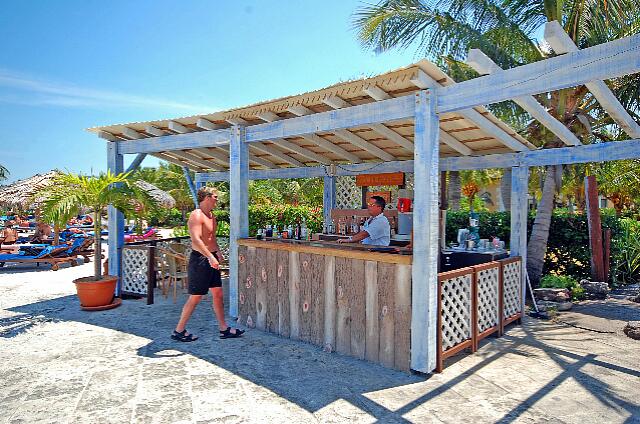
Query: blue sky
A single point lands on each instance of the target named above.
(72, 64)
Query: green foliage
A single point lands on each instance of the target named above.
(563, 282)
(625, 268)
(568, 245)
(558, 281)
(70, 192)
(492, 224)
(181, 231)
(262, 215)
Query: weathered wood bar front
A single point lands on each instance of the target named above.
(348, 300)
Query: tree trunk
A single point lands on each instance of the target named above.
(453, 190)
(537, 247)
(97, 262)
(505, 189)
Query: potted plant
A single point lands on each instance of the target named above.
(67, 195)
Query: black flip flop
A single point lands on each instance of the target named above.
(182, 336)
(227, 334)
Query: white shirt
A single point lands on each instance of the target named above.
(379, 231)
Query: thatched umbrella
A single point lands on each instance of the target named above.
(21, 194)
(163, 198)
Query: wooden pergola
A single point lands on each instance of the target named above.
(415, 119)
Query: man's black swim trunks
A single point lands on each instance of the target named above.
(201, 276)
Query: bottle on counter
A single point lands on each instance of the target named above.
(354, 225)
(362, 221)
(304, 231)
(296, 231)
(269, 232)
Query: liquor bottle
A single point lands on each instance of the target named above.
(362, 220)
(269, 231)
(331, 229)
(354, 225)
(298, 231)
(304, 231)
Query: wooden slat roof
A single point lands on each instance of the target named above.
(474, 132)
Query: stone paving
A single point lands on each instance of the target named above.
(60, 364)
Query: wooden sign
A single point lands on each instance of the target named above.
(386, 195)
(388, 179)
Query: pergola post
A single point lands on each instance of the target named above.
(519, 213)
(328, 197)
(115, 164)
(425, 236)
(238, 211)
(192, 187)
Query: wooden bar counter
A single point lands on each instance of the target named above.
(341, 297)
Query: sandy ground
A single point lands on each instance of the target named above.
(60, 364)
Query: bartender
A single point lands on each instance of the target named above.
(377, 230)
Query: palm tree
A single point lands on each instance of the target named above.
(70, 192)
(4, 173)
(505, 30)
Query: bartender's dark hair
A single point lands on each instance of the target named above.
(379, 201)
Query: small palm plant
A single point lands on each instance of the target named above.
(70, 192)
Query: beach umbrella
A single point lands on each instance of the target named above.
(163, 198)
(22, 193)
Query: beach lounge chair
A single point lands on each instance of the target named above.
(150, 234)
(53, 255)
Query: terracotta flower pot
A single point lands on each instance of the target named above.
(96, 293)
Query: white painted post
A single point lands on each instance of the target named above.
(238, 211)
(425, 237)
(115, 164)
(519, 212)
(328, 198)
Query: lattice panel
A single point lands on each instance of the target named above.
(134, 270)
(348, 195)
(512, 289)
(456, 311)
(488, 315)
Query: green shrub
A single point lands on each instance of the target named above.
(558, 281)
(625, 268)
(563, 282)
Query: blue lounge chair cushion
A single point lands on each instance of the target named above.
(22, 256)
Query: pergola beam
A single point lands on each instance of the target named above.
(178, 127)
(277, 154)
(484, 65)
(175, 142)
(336, 103)
(561, 43)
(616, 150)
(197, 160)
(424, 81)
(604, 61)
(370, 113)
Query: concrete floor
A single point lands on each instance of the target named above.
(60, 364)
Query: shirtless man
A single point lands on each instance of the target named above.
(204, 267)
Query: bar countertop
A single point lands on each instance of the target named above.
(347, 250)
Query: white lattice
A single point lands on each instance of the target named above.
(488, 315)
(512, 288)
(134, 270)
(348, 195)
(456, 310)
